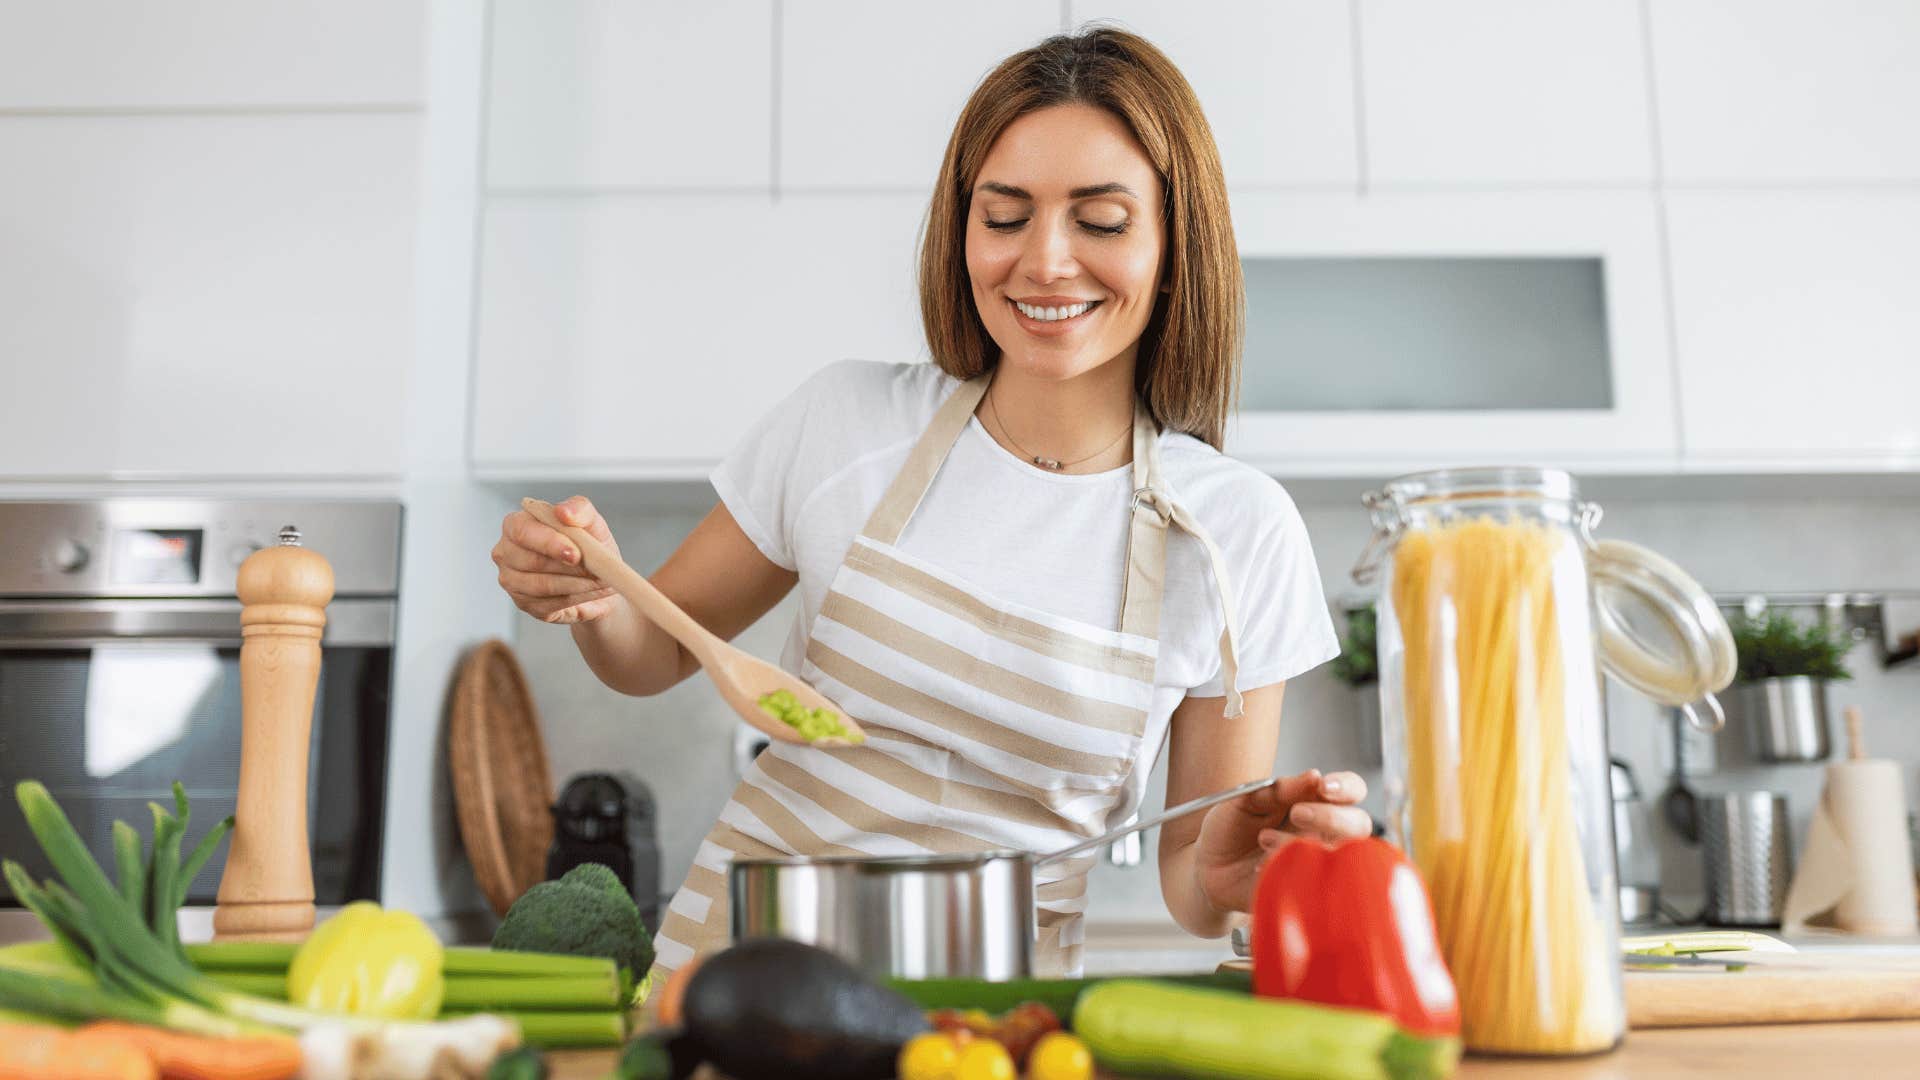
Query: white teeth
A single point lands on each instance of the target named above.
(1053, 314)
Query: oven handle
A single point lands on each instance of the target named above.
(86, 624)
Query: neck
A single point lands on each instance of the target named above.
(1067, 419)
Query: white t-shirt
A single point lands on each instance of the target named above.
(804, 482)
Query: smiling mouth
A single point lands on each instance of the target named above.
(1062, 313)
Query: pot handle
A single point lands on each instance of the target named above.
(1149, 822)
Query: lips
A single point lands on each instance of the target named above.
(1053, 310)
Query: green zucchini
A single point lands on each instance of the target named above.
(1134, 1026)
(1056, 994)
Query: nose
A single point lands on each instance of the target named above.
(1048, 255)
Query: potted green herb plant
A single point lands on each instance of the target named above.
(1785, 667)
(1358, 665)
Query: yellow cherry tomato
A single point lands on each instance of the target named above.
(985, 1059)
(932, 1056)
(1060, 1056)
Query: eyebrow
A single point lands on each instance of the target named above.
(1091, 191)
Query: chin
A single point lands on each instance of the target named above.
(1052, 365)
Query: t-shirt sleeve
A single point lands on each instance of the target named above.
(1285, 628)
(765, 477)
(788, 453)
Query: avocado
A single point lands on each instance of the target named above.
(769, 1009)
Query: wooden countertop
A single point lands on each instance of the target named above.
(1868, 1049)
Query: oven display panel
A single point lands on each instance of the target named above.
(156, 556)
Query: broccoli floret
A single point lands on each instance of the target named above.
(586, 912)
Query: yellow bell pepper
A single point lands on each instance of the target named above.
(366, 961)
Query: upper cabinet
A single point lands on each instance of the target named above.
(641, 338)
(1511, 92)
(1787, 91)
(1411, 331)
(630, 95)
(868, 90)
(1276, 81)
(107, 54)
(1798, 326)
(207, 215)
(205, 296)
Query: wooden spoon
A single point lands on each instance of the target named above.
(742, 678)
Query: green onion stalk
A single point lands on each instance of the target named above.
(126, 935)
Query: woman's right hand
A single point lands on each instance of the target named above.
(540, 569)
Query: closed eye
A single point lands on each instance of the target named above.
(1090, 226)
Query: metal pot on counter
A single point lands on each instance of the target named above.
(918, 917)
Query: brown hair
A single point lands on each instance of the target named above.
(1189, 362)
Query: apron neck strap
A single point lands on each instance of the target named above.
(910, 484)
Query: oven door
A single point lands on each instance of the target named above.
(108, 702)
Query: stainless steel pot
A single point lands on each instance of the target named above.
(934, 916)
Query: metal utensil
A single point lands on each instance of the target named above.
(1735, 961)
(742, 678)
(930, 916)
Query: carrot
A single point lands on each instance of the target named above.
(200, 1057)
(667, 1001)
(34, 1051)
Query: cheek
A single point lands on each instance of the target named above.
(1132, 272)
(987, 263)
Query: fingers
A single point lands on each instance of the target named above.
(574, 608)
(508, 555)
(1273, 800)
(580, 513)
(522, 585)
(1328, 821)
(521, 530)
(1342, 787)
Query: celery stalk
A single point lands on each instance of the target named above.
(563, 1030)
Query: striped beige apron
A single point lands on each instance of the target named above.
(990, 725)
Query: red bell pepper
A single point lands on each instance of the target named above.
(1350, 925)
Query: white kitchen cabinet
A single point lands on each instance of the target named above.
(110, 54)
(1630, 423)
(1798, 331)
(1771, 91)
(1505, 92)
(1276, 80)
(205, 296)
(630, 93)
(641, 337)
(870, 89)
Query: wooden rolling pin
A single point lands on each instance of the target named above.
(266, 893)
(1757, 996)
(1836, 987)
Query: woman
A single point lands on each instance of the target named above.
(1026, 567)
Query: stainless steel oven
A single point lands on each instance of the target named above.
(120, 663)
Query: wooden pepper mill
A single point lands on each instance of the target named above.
(266, 893)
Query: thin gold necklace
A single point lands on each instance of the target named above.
(1051, 464)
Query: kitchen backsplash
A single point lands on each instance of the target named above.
(682, 742)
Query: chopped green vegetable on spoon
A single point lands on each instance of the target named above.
(812, 724)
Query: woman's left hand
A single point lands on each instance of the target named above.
(1236, 836)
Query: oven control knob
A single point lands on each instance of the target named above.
(71, 556)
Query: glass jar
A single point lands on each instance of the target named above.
(1498, 612)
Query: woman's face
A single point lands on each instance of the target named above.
(1065, 248)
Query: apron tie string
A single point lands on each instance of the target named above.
(1170, 511)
